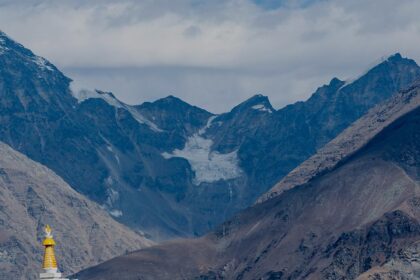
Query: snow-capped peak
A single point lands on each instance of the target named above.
(83, 95)
(7, 44)
(257, 102)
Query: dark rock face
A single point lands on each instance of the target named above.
(166, 167)
(353, 219)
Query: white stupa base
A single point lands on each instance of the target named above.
(51, 276)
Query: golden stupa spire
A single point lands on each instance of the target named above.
(49, 263)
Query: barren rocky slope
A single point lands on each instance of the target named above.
(339, 224)
(31, 196)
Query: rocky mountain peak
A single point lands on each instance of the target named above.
(336, 82)
(329, 89)
(170, 99)
(257, 102)
(396, 57)
(172, 113)
(394, 62)
(170, 102)
(7, 41)
(29, 82)
(12, 48)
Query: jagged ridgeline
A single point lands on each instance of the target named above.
(166, 167)
(358, 218)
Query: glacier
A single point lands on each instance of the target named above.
(208, 166)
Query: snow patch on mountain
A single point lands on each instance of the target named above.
(117, 158)
(42, 63)
(3, 48)
(208, 166)
(112, 198)
(115, 213)
(209, 123)
(262, 108)
(83, 95)
(141, 119)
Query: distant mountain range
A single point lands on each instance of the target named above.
(166, 167)
(355, 214)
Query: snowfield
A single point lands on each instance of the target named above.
(208, 166)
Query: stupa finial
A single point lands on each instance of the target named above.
(50, 263)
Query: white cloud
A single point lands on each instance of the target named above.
(212, 53)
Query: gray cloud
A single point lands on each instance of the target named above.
(213, 53)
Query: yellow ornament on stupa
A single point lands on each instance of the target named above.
(49, 263)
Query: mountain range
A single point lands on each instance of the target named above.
(354, 215)
(166, 167)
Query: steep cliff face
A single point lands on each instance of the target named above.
(32, 196)
(348, 219)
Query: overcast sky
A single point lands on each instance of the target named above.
(213, 53)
